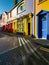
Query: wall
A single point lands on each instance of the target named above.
(40, 6)
(4, 18)
(29, 8)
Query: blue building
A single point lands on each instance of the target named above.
(43, 24)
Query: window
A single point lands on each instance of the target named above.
(43, 17)
(21, 8)
(20, 26)
(41, 1)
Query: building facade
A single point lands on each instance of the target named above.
(41, 20)
(4, 18)
(23, 15)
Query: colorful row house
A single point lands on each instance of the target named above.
(28, 17)
(41, 19)
(4, 21)
(22, 17)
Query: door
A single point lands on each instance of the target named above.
(44, 26)
(28, 28)
(39, 27)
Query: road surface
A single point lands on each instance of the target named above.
(18, 50)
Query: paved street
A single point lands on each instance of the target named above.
(20, 50)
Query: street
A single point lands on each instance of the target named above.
(19, 50)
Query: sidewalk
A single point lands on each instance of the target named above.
(42, 42)
(1, 35)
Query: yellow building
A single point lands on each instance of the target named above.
(23, 17)
(23, 25)
(40, 5)
(14, 26)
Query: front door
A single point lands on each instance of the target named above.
(28, 28)
(44, 26)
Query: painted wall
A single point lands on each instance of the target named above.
(9, 18)
(40, 6)
(29, 8)
(14, 13)
(4, 18)
(14, 26)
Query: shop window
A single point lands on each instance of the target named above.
(20, 26)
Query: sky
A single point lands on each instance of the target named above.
(6, 5)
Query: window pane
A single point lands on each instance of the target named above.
(40, 0)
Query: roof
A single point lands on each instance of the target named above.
(42, 12)
(15, 6)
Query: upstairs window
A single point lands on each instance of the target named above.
(42, 1)
(21, 8)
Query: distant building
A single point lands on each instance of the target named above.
(4, 18)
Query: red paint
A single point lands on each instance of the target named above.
(3, 28)
(10, 27)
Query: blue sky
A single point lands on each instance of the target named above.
(6, 5)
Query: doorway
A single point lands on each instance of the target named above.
(28, 28)
(42, 26)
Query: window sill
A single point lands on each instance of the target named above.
(21, 12)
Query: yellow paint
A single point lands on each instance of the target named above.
(35, 27)
(14, 26)
(40, 6)
(25, 26)
(30, 16)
